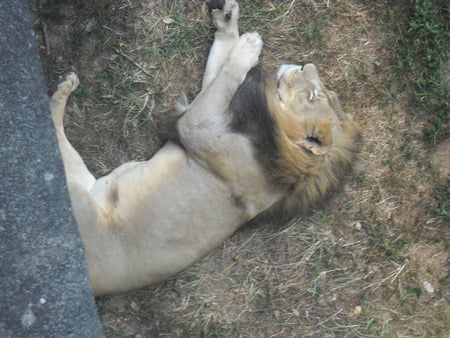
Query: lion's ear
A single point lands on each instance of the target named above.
(317, 138)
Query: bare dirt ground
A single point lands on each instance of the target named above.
(373, 263)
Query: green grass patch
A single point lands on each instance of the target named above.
(311, 32)
(422, 56)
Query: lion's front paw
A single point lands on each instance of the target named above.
(69, 84)
(225, 14)
(245, 53)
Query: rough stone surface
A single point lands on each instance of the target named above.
(44, 290)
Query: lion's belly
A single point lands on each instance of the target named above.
(159, 217)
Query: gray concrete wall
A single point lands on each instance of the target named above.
(44, 289)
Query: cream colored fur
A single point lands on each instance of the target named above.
(146, 221)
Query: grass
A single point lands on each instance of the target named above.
(356, 268)
(422, 48)
(423, 54)
(441, 203)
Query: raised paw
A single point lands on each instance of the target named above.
(225, 14)
(68, 84)
(245, 53)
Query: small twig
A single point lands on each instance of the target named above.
(399, 271)
(112, 30)
(246, 242)
(290, 7)
(46, 39)
(132, 61)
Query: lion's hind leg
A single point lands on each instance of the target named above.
(76, 171)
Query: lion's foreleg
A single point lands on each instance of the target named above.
(225, 15)
(206, 118)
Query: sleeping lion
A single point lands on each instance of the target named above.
(248, 144)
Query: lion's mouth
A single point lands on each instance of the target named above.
(313, 139)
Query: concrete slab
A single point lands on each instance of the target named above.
(44, 289)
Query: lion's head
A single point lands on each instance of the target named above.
(316, 139)
(302, 136)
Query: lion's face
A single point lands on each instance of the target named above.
(312, 113)
(316, 141)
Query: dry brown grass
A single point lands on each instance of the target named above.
(374, 263)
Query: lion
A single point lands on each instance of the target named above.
(248, 144)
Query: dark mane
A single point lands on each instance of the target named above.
(251, 117)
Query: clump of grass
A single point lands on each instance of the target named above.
(423, 52)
